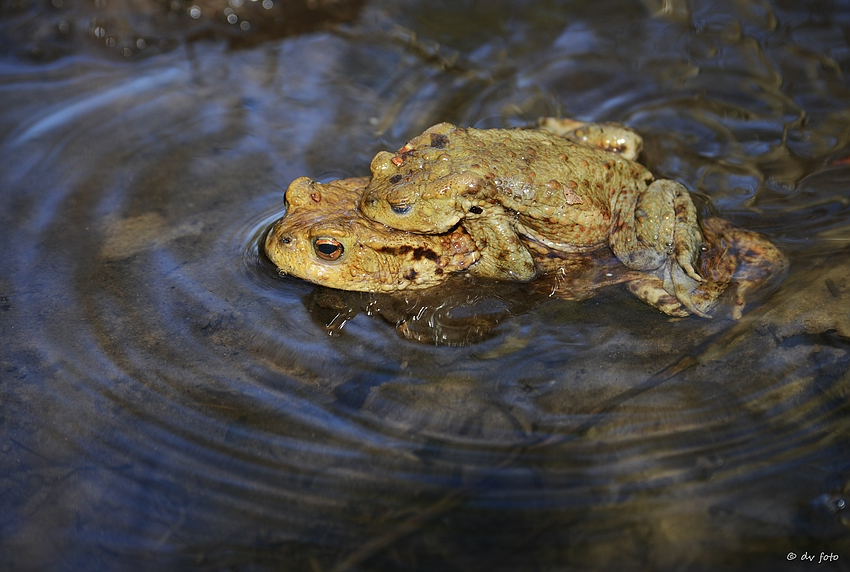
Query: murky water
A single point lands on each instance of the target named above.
(170, 403)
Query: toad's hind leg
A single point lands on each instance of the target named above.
(661, 224)
(503, 256)
(661, 229)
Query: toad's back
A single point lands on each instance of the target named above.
(562, 192)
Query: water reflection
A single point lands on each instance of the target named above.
(45, 31)
(167, 403)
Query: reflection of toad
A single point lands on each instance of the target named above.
(459, 312)
(570, 194)
(324, 239)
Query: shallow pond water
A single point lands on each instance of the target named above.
(170, 403)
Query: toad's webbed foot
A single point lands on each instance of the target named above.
(677, 295)
(740, 259)
(651, 290)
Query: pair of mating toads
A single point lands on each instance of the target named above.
(562, 200)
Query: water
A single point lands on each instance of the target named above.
(169, 402)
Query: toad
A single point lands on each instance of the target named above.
(572, 193)
(323, 239)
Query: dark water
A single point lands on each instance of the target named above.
(169, 403)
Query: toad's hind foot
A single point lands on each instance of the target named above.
(612, 137)
(675, 293)
(743, 259)
(651, 290)
(733, 259)
(698, 297)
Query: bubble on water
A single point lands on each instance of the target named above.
(110, 41)
(141, 44)
(64, 27)
(268, 4)
(244, 25)
(127, 52)
(232, 18)
(99, 31)
(235, 3)
(195, 12)
(831, 503)
(57, 3)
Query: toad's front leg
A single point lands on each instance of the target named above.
(503, 256)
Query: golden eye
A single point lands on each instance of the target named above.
(328, 248)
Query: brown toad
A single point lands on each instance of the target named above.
(567, 193)
(323, 238)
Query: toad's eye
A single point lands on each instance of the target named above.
(402, 208)
(328, 248)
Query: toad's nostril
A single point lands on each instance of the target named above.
(285, 238)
